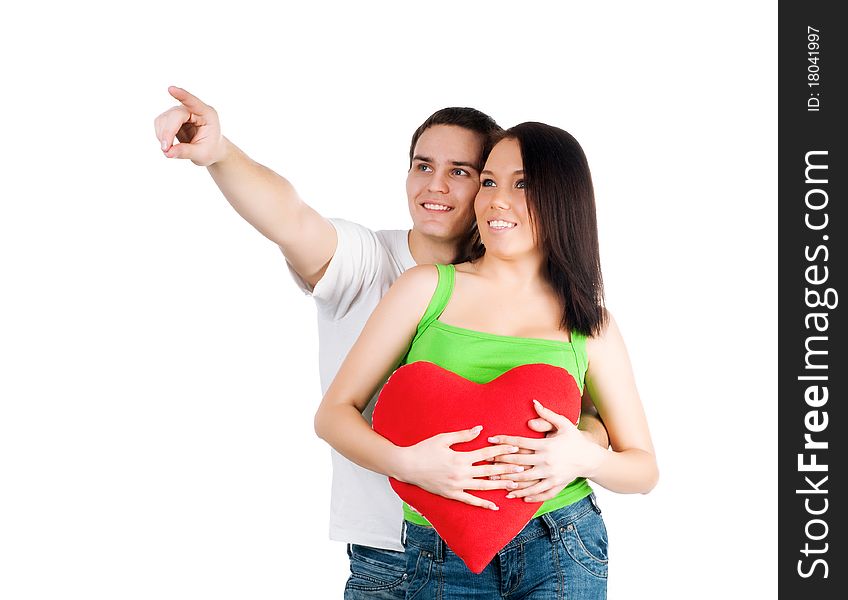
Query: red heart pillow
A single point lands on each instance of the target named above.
(422, 399)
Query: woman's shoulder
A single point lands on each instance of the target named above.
(416, 283)
(607, 341)
(414, 290)
(607, 327)
(419, 276)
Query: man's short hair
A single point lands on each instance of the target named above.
(467, 118)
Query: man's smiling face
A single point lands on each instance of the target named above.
(443, 181)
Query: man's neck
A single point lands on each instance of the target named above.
(427, 251)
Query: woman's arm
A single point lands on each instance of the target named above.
(632, 466)
(430, 464)
(557, 459)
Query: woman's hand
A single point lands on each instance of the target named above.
(590, 426)
(555, 461)
(540, 425)
(432, 465)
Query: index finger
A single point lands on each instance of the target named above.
(191, 102)
(168, 124)
(541, 425)
(490, 452)
(514, 440)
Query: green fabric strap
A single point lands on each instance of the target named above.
(578, 346)
(440, 299)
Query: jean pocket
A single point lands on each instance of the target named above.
(420, 565)
(373, 570)
(585, 540)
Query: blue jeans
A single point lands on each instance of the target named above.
(562, 554)
(375, 574)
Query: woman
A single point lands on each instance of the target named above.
(534, 295)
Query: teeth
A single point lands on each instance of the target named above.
(501, 224)
(431, 206)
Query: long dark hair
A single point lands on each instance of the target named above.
(561, 204)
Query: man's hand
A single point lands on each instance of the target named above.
(195, 125)
(263, 198)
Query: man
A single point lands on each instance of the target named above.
(347, 268)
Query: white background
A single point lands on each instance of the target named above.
(159, 368)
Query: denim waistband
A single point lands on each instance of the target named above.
(552, 524)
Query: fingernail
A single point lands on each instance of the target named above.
(513, 448)
(528, 500)
(537, 402)
(164, 145)
(493, 507)
(512, 485)
(477, 428)
(494, 477)
(510, 496)
(519, 469)
(493, 440)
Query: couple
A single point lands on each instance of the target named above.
(510, 217)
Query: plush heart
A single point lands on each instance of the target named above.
(422, 399)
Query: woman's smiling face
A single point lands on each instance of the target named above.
(503, 217)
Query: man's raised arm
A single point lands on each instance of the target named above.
(262, 197)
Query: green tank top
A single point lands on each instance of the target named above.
(481, 357)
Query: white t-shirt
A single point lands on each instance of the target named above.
(364, 509)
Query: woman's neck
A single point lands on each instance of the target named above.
(522, 273)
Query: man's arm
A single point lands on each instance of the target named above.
(262, 197)
(590, 422)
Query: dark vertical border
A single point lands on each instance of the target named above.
(812, 337)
